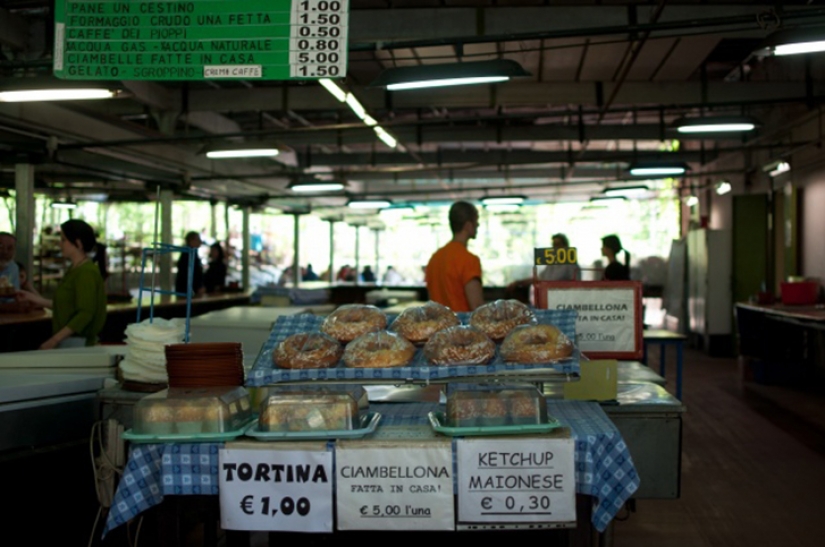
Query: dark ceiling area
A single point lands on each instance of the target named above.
(607, 80)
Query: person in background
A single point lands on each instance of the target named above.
(615, 270)
(215, 277)
(309, 274)
(561, 272)
(342, 273)
(193, 240)
(79, 303)
(368, 276)
(453, 274)
(8, 267)
(25, 281)
(392, 277)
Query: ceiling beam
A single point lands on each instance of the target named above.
(511, 94)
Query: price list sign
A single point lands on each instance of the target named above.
(276, 490)
(200, 39)
(528, 480)
(394, 488)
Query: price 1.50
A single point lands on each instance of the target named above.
(266, 506)
(556, 257)
(532, 504)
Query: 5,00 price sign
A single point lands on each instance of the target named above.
(276, 490)
(555, 257)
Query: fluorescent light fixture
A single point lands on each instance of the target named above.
(723, 187)
(68, 204)
(627, 191)
(502, 207)
(800, 48)
(719, 124)
(356, 106)
(451, 74)
(797, 41)
(310, 185)
(658, 169)
(333, 89)
(368, 203)
(692, 201)
(78, 94)
(241, 150)
(781, 167)
(503, 200)
(608, 198)
(385, 137)
(370, 121)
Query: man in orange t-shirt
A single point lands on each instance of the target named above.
(454, 273)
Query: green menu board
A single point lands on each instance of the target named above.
(200, 39)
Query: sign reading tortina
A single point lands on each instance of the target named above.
(200, 39)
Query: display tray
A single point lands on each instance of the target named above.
(368, 423)
(139, 438)
(439, 424)
(264, 372)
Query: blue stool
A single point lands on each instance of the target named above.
(666, 338)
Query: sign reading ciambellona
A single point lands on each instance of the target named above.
(200, 39)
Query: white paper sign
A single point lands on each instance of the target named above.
(606, 320)
(395, 488)
(513, 481)
(276, 490)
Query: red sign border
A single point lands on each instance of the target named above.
(540, 289)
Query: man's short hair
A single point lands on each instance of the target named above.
(190, 236)
(8, 234)
(563, 238)
(461, 213)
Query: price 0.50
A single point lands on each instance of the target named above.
(556, 257)
(286, 507)
(319, 32)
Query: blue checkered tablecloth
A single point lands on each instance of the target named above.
(604, 468)
(157, 470)
(264, 373)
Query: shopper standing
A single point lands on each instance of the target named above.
(79, 303)
(453, 274)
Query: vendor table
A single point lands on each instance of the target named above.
(785, 344)
(26, 331)
(604, 467)
(650, 421)
(665, 338)
(39, 410)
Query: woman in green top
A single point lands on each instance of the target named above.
(79, 304)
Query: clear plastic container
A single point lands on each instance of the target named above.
(358, 393)
(193, 411)
(309, 410)
(471, 405)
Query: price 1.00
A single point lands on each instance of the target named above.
(286, 507)
(556, 257)
(533, 504)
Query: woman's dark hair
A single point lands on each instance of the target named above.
(613, 243)
(218, 247)
(75, 229)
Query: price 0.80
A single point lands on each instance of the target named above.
(286, 507)
(556, 257)
(318, 45)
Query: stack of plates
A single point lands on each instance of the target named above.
(204, 365)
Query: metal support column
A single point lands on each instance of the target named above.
(377, 254)
(247, 242)
(296, 256)
(213, 220)
(332, 276)
(166, 279)
(24, 210)
(357, 253)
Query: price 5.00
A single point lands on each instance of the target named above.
(551, 256)
(320, 57)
